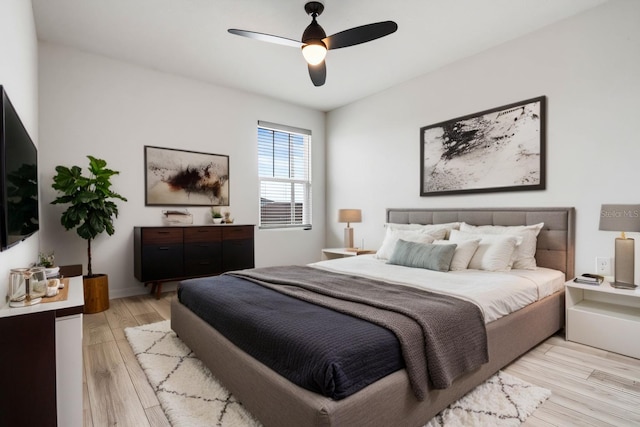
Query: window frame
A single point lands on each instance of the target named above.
(298, 185)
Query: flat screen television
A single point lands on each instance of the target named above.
(18, 178)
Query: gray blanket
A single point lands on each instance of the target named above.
(441, 337)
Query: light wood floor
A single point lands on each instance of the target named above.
(116, 391)
(590, 387)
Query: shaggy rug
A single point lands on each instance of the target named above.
(191, 396)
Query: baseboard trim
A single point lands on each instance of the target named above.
(140, 290)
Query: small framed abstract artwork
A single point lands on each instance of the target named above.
(501, 149)
(185, 178)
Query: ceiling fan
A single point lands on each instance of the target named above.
(315, 42)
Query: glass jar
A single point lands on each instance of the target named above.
(38, 282)
(18, 284)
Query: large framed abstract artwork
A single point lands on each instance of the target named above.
(501, 149)
(185, 178)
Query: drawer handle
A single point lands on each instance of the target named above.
(204, 263)
(163, 248)
(163, 232)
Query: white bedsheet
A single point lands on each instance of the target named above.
(496, 293)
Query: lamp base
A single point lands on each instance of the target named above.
(621, 285)
(348, 237)
(624, 262)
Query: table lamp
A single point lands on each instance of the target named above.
(622, 218)
(349, 216)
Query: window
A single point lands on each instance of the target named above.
(284, 170)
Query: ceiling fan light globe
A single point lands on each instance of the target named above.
(314, 54)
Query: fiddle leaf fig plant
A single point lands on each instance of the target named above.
(92, 211)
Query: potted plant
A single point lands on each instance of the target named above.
(47, 260)
(216, 216)
(91, 212)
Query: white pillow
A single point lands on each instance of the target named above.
(463, 254)
(524, 256)
(446, 226)
(494, 253)
(392, 237)
(427, 228)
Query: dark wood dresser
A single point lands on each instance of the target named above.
(170, 253)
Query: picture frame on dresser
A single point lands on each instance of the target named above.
(500, 149)
(176, 177)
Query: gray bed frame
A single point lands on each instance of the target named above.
(275, 401)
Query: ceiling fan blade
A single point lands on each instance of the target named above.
(318, 73)
(362, 34)
(266, 37)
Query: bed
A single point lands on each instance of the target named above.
(276, 401)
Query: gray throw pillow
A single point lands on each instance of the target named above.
(423, 255)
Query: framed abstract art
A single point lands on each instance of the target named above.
(501, 149)
(185, 178)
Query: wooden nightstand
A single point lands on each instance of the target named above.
(604, 317)
(333, 253)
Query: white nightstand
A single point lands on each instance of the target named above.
(604, 317)
(333, 253)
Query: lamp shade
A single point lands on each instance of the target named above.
(349, 215)
(620, 218)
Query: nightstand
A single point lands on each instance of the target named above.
(604, 317)
(333, 253)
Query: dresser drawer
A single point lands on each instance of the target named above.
(161, 262)
(237, 232)
(202, 250)
(202, 234)
(203, 267)
(161, 235)
(237, 254)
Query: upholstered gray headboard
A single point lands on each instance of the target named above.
(555, 242)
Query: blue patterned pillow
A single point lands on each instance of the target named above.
(422, 255)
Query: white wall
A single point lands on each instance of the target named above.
(18, 75)
(109, 109)
(587, 66)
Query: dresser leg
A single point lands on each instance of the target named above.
(156, 288)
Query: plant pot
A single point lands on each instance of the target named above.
(96, 293)
(217, 220)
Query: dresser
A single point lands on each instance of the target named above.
(163, 254)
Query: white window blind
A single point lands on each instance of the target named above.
(284, 169)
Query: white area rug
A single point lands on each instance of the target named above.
(191, 396)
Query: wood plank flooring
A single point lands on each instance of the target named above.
(116, 391)
(590, 387)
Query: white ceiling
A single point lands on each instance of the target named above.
(189, 38)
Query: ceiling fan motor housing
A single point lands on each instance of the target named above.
(314, 32)
(314, 8)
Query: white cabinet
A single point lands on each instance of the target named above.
(49, 336)
(69, 370)
(604, 317)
